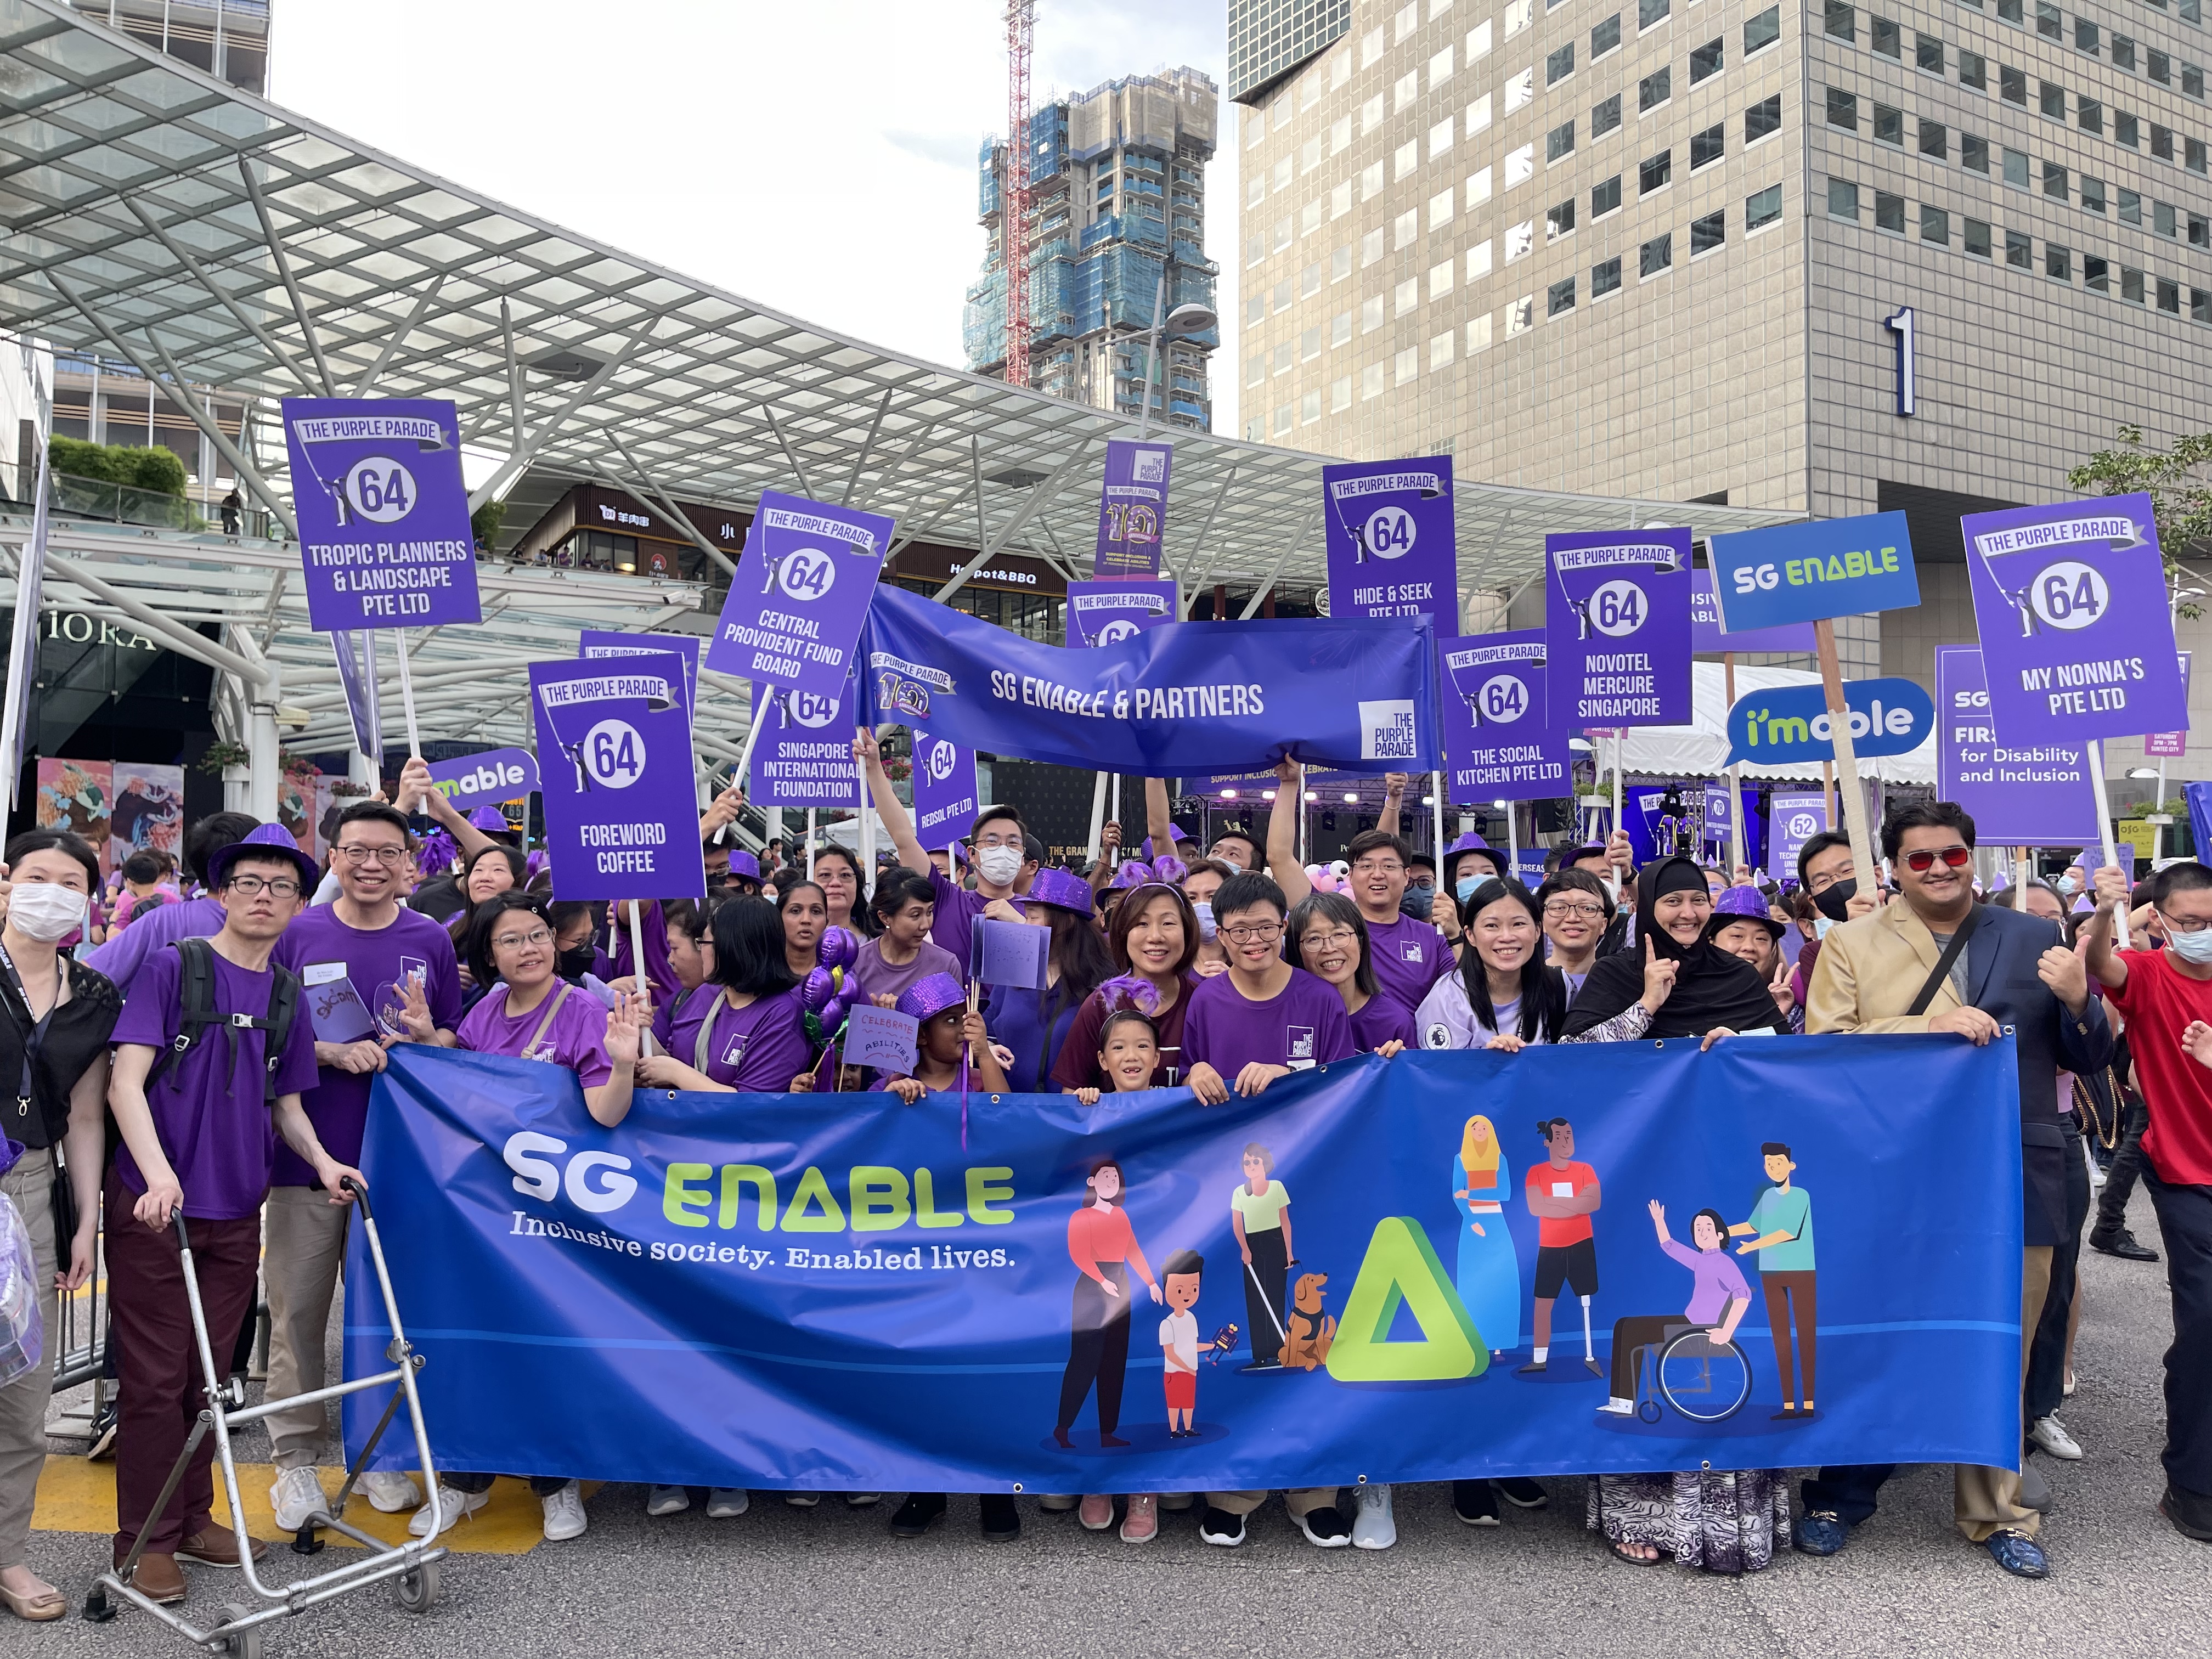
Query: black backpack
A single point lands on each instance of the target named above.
(197, 1012)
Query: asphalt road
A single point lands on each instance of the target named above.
(782, 1580)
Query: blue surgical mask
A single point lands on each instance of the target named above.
(1820, 926)
(2065, 885)
(1419, 899)
(2195, 947)
(1204, 910)
(1465, 887)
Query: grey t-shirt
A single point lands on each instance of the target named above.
(1957, 975)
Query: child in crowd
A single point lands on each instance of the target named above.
(949, 1026)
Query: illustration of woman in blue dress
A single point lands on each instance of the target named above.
(1488, 1273)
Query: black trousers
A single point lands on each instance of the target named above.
(2046, 1360)
(2120, 1179)
(1264, 1282)
(1098, 1348)
(2185, 1221)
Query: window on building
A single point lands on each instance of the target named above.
(1406, 89)
(2163, 219)
(1762, 31)
(2016, 169)
(1440, 138)
(1605, 278)
(1339, 330)
(1762, 209)
(1886, 38)
(1520, 165)
(1478, 334)
(2050, 22)
(1520, 89)
(1405, 227)
(2200, 230)
(1843, 108)
(2090, 115)
(1370, 248)
(1843, 200)
(1973, 70)
(1286, 355)
(1709, 146)
(1309, 281)
(1705, 62)
(1520, 240)
(1927, 53)
(1934, 139)
(2096, 275)
(1256, 369)
(1370, 314)
(2131, 285)
(2192, 80)
(1309, 345)
(1478, 116)
(1559, 220)
(2124, 53)
(1406, 159)
(1605, 116)
(1973, 153)
(1935, 225)
(2193, 151)
(1440, 350)
(2012, 85)
(2161, 142)
(1478, 41)
(1370, 381)
(2130, 206)
(1440, 279)
(1519, 13)
(1406, 296)
(1656, 256)
(1650, 13)
(2009, 11)
(1707, 233)
(1521, 315)
(1559, 142)
(1280, 298)
(2020, 250)
(1371, 182)
(1604, 38)
(2126, 130)
(1888, 125)
(2051, 98)
(1477, 260)
(2058, 262)
(1605, 197)
(1975, 237)
(2158, 66)
(1440, 207)
(2169, 296)
(1339, 394)
(1839, 21)
(1762, 119)
(1654, 90)
(1478, 188)
(1371, 115)
(2093, 194)
(1889, 212)
(1559, 297)
(2054, 181)
(2085, 36)
(1560, 64)
(1655, 172)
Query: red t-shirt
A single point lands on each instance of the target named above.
(2158, 1002)
(1551, 1231)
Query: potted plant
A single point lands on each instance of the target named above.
(232, 761)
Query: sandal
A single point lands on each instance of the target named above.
(1623, 1551)
(47, 1604)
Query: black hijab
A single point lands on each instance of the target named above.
(1711, 987)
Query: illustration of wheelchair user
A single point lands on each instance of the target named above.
(1696, 1364)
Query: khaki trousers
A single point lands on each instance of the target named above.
(23, 1402)
(303, 1245)
(1983, 1501)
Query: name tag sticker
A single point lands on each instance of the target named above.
(322, 973)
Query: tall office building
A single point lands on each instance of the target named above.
(1117, 193)
(1919, 255)
(228, 39)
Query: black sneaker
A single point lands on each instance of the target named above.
(1475, 1503)
(2192, 1515)
(101, 1444)
(1522, 1493)
(2123, 1244)
(1002, 1521)
(1221, 1527)
(915, 1516)
(1325, 1529)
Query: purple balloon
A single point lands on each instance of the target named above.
(816, 990)
(838, 949)
(833, 1017)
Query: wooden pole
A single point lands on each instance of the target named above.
(1828, 792)
(1847, 763)
(1734, 779)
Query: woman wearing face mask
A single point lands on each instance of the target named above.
(1153, 940)
(54, 1018)
(1469, 862)
(1503, 995)
(1200, 884)
(1679, 985)
(902, 906)
(1326, 937)
(1576, 910)
(1034, 1024)
(576, 927)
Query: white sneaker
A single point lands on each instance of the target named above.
(802, 1500)
(389, 1491)
(564, 1513)
(451, 1506)
(725, 1502)
(861, 1500)
(1617, 1406)
(1373, 1528)
(295, 1495)
(667, 1500)
(2049, 1433)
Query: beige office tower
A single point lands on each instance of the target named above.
(1833, 256)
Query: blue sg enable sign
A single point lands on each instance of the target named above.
(1802, 572)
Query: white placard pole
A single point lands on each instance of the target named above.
(2094, 751)
(407, 698)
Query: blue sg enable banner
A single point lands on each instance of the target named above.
(813, 1291)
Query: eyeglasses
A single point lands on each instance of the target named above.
(276, 886)
(517, 941)
(1329, 941)
(1556, 911)
(1257, 932)
(1923, 859)
(2183, 924)
(1377, 867)
(357, 854)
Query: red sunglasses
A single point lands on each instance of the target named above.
(1957, 857)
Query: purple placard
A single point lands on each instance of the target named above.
(1393, 540)
(800, 594)
(1106, 613)
(621, 819)
(1498, 742)
(1133, 508)
(485, 779)
(384, 540)
(806, 757)
(2018, 796)
(2170, 745)
(1707, 639)
(882, 1037)
(944, 788)
(1793, 820)
(1010, 953)
(598, 642)
(337, 1012)
(2070, 603)
(1617, 627)
(356, 660)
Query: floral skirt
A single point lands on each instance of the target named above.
(1721, 1521)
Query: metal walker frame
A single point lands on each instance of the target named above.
(413, 1565)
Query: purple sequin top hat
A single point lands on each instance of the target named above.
(491, 818)
(930, 996)
(1742, 905)
(267, 840)
(743, 864)
(1062, 889)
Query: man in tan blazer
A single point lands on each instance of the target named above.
(2014, 970)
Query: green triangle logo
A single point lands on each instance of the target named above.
(1400, 1269)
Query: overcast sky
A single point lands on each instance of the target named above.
(816, 157)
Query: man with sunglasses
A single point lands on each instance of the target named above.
(1880, 974)
(2166, 998)
(356, 957)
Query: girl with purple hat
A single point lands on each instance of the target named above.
(1153, 940)
(949, 1027)
(1743, 927)
(1034, 1024)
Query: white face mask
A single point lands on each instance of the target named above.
(45, 911)
(1000, 865)
(1203, 909)
(2191, 947)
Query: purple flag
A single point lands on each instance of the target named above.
(805, 756)
(1792, 820)
(621, 819)
(356, 657)
(2171, 746)
(801, 591)
(1106, 613)
(1393, 541)
(1499, 741)
(1133, 509)
(1617, 626)
(2070, 602)
(2033, 795)
(385, 539)
(1707, 639)
(944, 788)
(1717, 816)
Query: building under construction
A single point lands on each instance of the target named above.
(1116, 193)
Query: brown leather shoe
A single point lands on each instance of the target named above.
(157, 1579)
(215, 1547)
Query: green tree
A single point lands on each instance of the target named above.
(158, 471)
(485, 521)
(2181, 496)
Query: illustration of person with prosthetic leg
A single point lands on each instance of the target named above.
(1563, 1194)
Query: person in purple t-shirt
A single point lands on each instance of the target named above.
(751, 1038)
(124, 955)
(199, 1139)
(998, 848)
(1328, 940)
(357, 958)
(1263, 1018)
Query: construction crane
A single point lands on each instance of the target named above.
(1014, 201)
